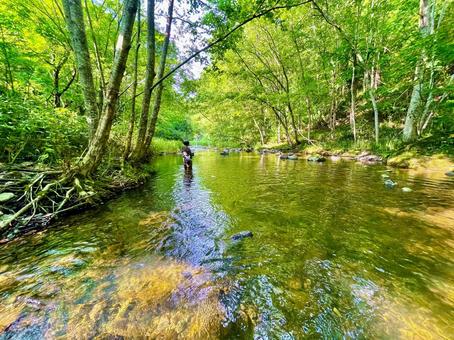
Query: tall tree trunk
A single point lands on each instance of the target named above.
(98, 143)
(162, 66)
(132, 118)
(374, 81)
(374, 105)
(427, 114)
(353, 99)
(150, 74)
(278, 132)
(56, 76)
(76, 27)
(409, 131)
(262, 140)
(309, 117)
(102, 81)
(8, 70)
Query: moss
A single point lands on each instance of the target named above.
(404, 160)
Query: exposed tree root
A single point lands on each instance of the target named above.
(33, 197)
(30, 198)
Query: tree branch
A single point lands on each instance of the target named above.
(225, 36)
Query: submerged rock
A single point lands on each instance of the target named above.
(450, 173)
(241, 235)
(389, 183)
(406, 189)
(384, 176)
(316, 158)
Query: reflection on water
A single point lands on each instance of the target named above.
(334, 255)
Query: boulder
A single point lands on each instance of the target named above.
(316, 158)
(241, 235)
(367, 158)
(389, 183)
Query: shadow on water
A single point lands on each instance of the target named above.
(334, 255)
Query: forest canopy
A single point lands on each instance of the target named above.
(372, 73)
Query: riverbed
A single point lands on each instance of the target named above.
(334, 254)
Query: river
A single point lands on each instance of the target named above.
(334, 254)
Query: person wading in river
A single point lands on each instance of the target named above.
(187, 155)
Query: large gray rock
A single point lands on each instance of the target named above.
(389, 183)
(367, 158)
(316, 158)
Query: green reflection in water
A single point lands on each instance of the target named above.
(335, 254)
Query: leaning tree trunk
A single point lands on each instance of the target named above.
(132, 118)
(76, 27)
(409, 131)
(162, 66)
(98, 143)
(150, 74)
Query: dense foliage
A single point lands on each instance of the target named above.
(365, 74)
(42, 112)
(319, 73)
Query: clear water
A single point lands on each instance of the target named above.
(335, 254)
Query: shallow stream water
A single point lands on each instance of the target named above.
(334, 254)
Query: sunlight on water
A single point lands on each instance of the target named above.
(334, 254)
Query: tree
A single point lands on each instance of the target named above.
(74, 17)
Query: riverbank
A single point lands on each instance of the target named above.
(21, 183)
(32, 195)
(436, 164)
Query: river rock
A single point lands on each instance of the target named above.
(293, 157)
(389, 183)
(450, 173)
(367, 158)
(6, 196)
(241, 235)
(316, 158)
(406, 189)
(225, 152)
(283, 156)
(335, 158)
